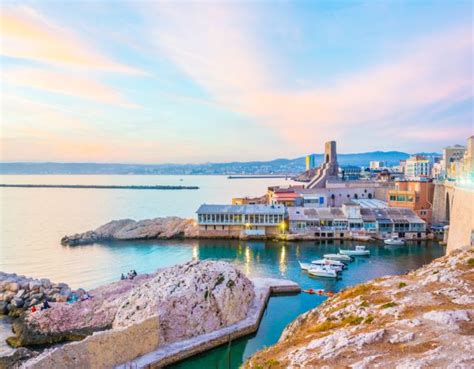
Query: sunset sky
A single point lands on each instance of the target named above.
(187, 82)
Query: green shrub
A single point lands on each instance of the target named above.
(388, 305)
(402, 284)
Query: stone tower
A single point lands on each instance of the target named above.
(330, 157)
(328, 169)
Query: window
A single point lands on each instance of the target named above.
(393, 198)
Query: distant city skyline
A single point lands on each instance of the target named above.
(195, 82)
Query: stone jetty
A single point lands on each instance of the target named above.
(424, 319)
(18, 293)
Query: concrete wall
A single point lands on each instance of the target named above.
(103, 349)
(462, 219)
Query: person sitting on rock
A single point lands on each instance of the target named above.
(33, 309)
(46, 305)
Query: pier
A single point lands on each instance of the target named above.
(102, 187)
(250, 176)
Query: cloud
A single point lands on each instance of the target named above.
(219, 47)
(65, 83)
(27, 34)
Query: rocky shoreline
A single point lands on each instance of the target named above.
(419, 320)
(172, 304)
(19, 293)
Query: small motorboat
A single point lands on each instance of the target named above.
(338, 257)
(305, 266)
(322, 272)
(394, 241)
(338, 266)
(360, 250)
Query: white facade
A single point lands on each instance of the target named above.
(417, 167)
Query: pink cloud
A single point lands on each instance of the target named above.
(27, 34)
(217, 46)
(65, 83)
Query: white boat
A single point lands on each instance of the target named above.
(333, 264)
(305, 266)
(394, 241)
(359, 251)
(338, 257)
(322, 272)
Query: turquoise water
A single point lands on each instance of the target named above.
(34, 220)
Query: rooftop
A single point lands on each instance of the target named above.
(241, 209)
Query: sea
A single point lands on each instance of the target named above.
(33, 220)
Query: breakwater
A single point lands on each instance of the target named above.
(107, 187)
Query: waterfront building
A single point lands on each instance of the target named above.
(416, 195)
(353, 220)
(310, 162)
(417, 166)
(240, 220)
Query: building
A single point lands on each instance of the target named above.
(417, 167)
(249, 200)
(288, 196)
(234, 221)
(350, 172)
(451, 156)
(416, 195)
(352, 220)
(467, 174)
(376, 165)
(310, 162)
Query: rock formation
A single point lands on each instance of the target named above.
(422, 319)
(128, 229)
(18, 293)
(188, 300)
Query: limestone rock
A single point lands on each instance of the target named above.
(189, 299)
(128, 229)
(427, 323)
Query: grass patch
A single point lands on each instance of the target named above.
(324, 326)
(402, 284)
(355, 291)
(369, 319)
(388, 305)
(272, 363)
(364, 304)
(470, 261)
(352, 320)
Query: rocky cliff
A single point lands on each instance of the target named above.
(423, 319)
(128, 229)
(188, 300)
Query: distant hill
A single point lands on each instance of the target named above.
(277, 166)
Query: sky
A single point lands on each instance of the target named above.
(192, 82)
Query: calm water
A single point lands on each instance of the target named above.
(34, 220)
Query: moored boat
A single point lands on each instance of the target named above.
(360, 250)
(305, 266)
(322, 272)
(394, 241)
(337, 257)
(338, 266)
